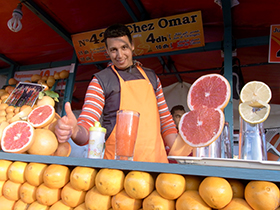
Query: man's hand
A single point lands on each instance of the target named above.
(67, 125)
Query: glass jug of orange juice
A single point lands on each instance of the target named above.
(126, 134)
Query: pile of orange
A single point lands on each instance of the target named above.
(47, 81)
(33, 127)
(52, 186)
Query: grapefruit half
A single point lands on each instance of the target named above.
(201, 127)
(211, 90)
(41, 116)
(17, 137)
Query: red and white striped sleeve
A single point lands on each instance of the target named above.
(166, 121)
(93, 105)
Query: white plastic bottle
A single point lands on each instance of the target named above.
(96, 141)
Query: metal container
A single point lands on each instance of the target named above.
(214, 150)
(252, 144)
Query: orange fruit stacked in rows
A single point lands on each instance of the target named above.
(53, 186)
(207, 97)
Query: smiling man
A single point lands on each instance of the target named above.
(124, 84)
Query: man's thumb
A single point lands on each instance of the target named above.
(68, 111)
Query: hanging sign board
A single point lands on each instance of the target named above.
(152, 36)
(274, 44)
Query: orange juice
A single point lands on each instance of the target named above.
(126, 133)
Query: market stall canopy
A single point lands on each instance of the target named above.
(47, 26)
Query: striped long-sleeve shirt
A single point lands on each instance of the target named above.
(95, 100)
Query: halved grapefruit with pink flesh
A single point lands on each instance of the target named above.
(17, 137)
(41, 116)
(201, 127)
(211, 90)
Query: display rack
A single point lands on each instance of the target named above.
(227, 168)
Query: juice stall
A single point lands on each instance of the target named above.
(52, 180)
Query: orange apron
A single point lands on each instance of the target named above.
(139, 95)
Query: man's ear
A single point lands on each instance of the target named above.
(132, 45)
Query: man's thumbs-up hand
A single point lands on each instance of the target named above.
(66, 126)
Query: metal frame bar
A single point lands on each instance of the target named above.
(46, 18)
(226, 5)
(69, 87)
(7, 60)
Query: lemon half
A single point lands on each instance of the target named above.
(254, 92)
(254, 115)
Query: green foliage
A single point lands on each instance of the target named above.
(50, 93)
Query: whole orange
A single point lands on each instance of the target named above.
(155, 201)
(34, 173)
(11, 190)
(1, 187)
(45, 142)
(237, 203)
(36, 205)
(237, 188)
(47, 196)
(193, 182)
(59, 205)
(139, 184)
(6, 204)
(95, 200)
(170, 186)
(262, 195)
(4, 166)
(72, 197)
(109, 181)
(16, 171)
(27, 192)
(83, 178)
(56, 176)
(190, 199)
(215, 191)
(19, 205)
(122, 201)
(81, 207)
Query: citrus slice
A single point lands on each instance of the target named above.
(201, 127)
(17, 137)
(254, 115)
(211, 90)
(255, 91)
(41, 116)
(21, 115)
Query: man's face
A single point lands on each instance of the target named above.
(177, 116)
(120, 51)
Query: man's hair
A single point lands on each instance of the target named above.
(117, 30)
(177, 107)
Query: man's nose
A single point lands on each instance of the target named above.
(120, 53)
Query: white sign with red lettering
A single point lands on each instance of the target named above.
(23, 76)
